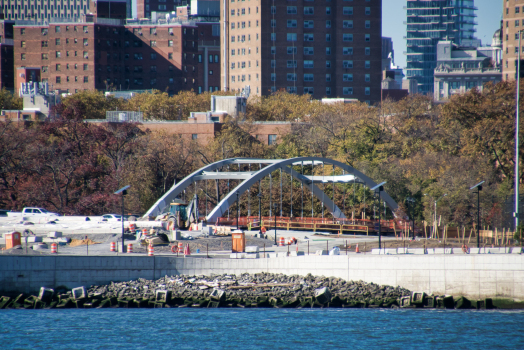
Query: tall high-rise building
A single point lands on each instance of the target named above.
(428, 22)
(326, 49)
(512, 23)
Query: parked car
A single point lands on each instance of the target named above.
(32, 211)
(111, 217)
(3, 212)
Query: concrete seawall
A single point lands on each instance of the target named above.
(473, 276)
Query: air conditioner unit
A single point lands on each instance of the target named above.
(85, 31)
(154, 33)
(86, 44)
(171, 33)
(44, 33)
(140, 33)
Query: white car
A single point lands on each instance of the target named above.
(112, 217)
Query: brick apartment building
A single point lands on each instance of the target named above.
(513, 21)
(328, 50)
(99, 54)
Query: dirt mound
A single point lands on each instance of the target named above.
(78, 242)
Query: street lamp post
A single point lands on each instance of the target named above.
(479, 188)
(260, 212)
(379, 188)
(275, 207)
(123, 190)
(516, 214)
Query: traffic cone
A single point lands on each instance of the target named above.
(356, 249)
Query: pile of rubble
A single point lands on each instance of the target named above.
(245, 291)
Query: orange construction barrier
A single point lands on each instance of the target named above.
(150, 251)
(129, 248)
(132, 228)
(53, 248)
(112, 247)
(356, 249)
(180, 247)
(144, 231)
(281, 242)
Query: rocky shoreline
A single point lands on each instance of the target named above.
(262, 290)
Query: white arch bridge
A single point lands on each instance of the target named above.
(248, 178)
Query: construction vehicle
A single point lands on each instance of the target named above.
(180, 214)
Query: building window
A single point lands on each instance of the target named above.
(152, 43)
(57, 41)
(273, 76)
(22, 56)
(347, 51)
(153, 56)
(291, 64)
(44, 56)
(170, 56)
(308, 77)
(308, 37)
(86, 79)
(44, 69)
(368, 24)
(367, 77)
(291, 90)
(328, 50)
(367, 64)
(328, 37)
(347, 77)
(347, 64)
(22, 31)
(328, 91)
(328, 10)
(291, 23)
(307, 64)
(44, 43)
(58, 68)
(328, 77)
(291, 50)
(57, 29)
(309, 24)
(309, 10)
(348, 11)
(367, 51)
(347, 91)
(367, 91)
(273, 10)
(367, 37)
(368, 11)
(328, 24)
(308, 51)
(308, 90)
(328, 64)
(347, 37)
(291, 77)
(271, 139)
(58, 55)
(22, 44)
(290, 36)
(347, 24)
(57, 80)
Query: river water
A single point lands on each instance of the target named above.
(261, 329)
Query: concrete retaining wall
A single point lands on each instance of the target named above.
(474, 276)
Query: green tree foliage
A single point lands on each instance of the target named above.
(9, 101)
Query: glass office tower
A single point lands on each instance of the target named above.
(428, 22)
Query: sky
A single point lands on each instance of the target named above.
(489, 14)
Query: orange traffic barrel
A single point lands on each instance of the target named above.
(282, 242)
(53, 248)
(180, 247)
(144, 231)
(150, 251)
(129, 248)
(132, 228)
(113, 247)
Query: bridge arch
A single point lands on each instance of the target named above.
(250, 178)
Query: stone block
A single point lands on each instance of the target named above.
(252, 256)
(46, 294)
(405, 301)
(252, 249)
(402, 250)
(443, 250)
(34, 239)
(79, 292)
(162, 295)
(494, 250)
(516, 250)
(295, 253)
(429, 302)
(54, 234)
(375, 251)
(430, 251)
(272, 255)
(321, 252)
(417, 298)
(391, 251)
(217, 294)
(335, 251)
(323, 295)
(235, 256)
(417, 251)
